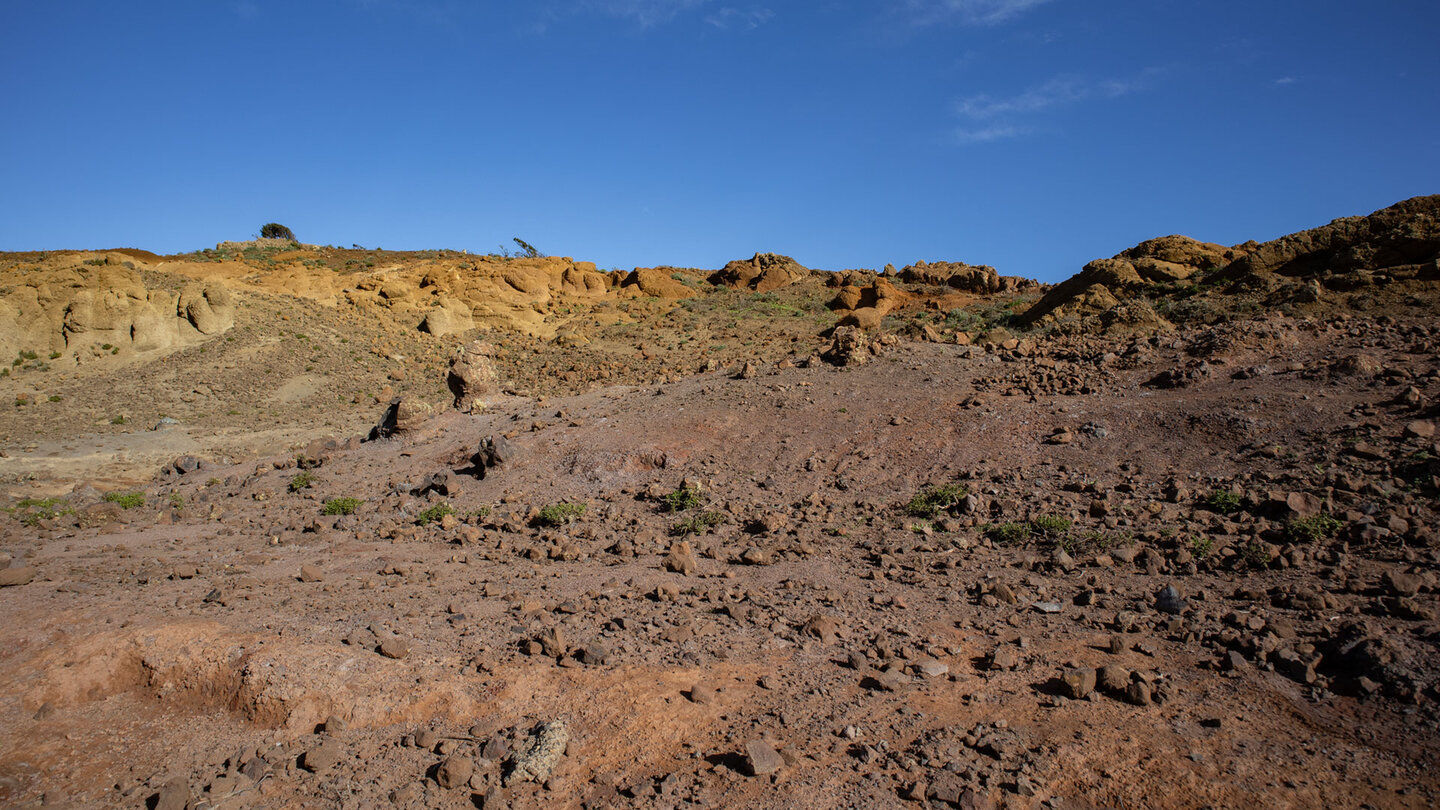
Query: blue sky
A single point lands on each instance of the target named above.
(1033, 135)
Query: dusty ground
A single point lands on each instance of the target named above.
(175, 652)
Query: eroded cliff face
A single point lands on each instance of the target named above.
(86, 307)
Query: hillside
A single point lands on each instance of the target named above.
(295, 525)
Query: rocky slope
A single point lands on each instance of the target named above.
(687, 542)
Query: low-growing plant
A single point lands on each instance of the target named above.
(125, 500)
(1222, 501)
(342, 506)
(560, 514)
(55, 397)
(1201, 545)
(683, 499)
(119, 419)
(697, 524)
(302, 480)
(1311, 529)
(177, 501)
(933, 500)
(434, 513)
(1071, 544)
(30, 511)
(1050, 527)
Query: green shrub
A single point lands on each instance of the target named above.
(559, 514)
(697, 524)
(302, 480)
(125, 500)
(1311, 529)
(934, 500)
(30, 511)
(1201, 545)
(683, 499)
(434, 513)
(274, 230)
(342, 506)
(1050, 527)
(1222, 501)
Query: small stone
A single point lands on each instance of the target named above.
(553, 642)
(322, 757)
(1114, 678)
(931, 668)
(1420, 429)
(594, 654)
(825, 628)
(891, 680)
(1138, 693)
(755, 556)
(334, 724)
(1047, 607)
(1004, 658)
(311, 573)
(1233, 661)
(540, 755)
(761, 758)
(1402, 584)
(1168, 601)
(681, 559)
(396, 648)
(701, 694)
(1079, 683)
(10, 577)
(454, 772)
(175, 795)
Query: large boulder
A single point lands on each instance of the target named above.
(763, 272)
(979, 279)
(208, 307)
(654, 282)
(849, 346)
(448, 318)
(473, 378)
(866, 307)
(403, 415)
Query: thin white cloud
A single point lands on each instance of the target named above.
(1060, 90)
(729, 17)
(1284, 80)
(971, 12)
(647, 13)
(995, 118)
(987, 134)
